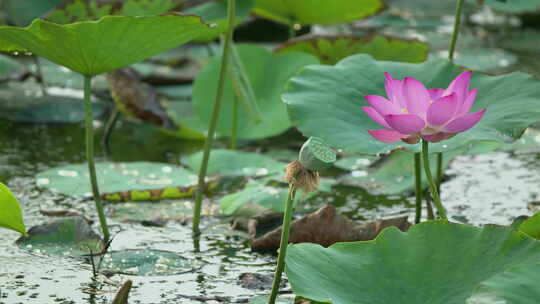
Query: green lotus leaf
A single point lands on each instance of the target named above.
(9, 67)
(112, 42)
(531, 226)
(140, 179)
(267, 89)
(515, 6)
(235, 163)
(23, 12)
(264, 197)
(434, 262)
(325, 101)
(330, 50)
(146, 262)
(79, 10)
(518, 285)
(66, 236)
(58, 76)
(216, 12)
(24, 102)
(316, 11)
(11, 215)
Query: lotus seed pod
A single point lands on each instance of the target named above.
(316, 155)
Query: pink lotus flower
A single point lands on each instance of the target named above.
(412, 112)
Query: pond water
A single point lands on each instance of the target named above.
(487, 188)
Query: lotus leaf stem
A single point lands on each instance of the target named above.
(234, 126)
(90, 156)
(455, 33)
(231, 10)
(432, 185)
(418, 184)
(285, 229)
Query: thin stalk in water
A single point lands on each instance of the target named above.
(455, 33)
(439, 171)
(90, 156)
(432, 185)
(285, 229)
(418, 184)
(451, 51)
(215, 116)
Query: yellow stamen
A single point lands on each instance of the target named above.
(405, 111)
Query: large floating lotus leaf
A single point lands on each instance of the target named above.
(23, 12)
(140, 179)
(518, 285)
(268, 74)
(515, 6)
(58, 76)
(112, 42)
(146, 262)
(79, 10)
(24, 102)
(264, 197)
(64, 236)
(9, 67)
(330, 50)
(216, 12)
(488, 60)
(326, 101)
(531, 226)
(316, 11)
(434, 262)
(230, 162)
(11, 215)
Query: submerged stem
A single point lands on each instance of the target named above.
(287, 218)
(90, 156)
(418, 184)
(215, 115)
(432, 185)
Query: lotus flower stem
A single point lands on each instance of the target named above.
(432, 185)
(285, 228)
(418, 184)
(231, 10)
(90, 156)
(439, 171)
(453, 42)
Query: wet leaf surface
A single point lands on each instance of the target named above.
(24, 102)
(137, 180)
(257, 61)
(11, 216)
(332, 49)
(510, 102)
(316, 12)
(462, 253)
(146, 262)
(69, 236)
(95, 47)
(231, 162)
